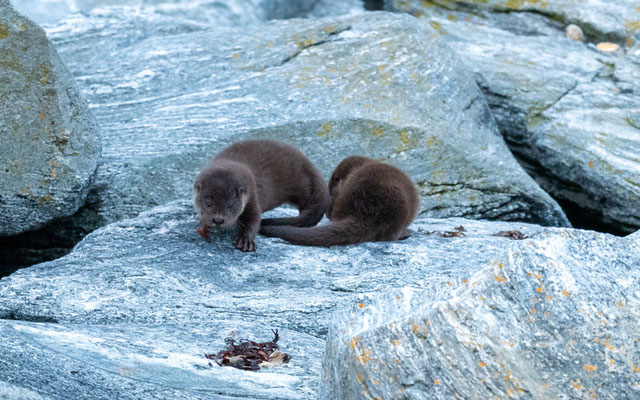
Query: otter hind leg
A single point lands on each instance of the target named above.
(404, 235)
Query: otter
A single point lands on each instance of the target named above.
(251, 177)
(370, 201)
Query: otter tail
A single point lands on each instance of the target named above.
(332, 234)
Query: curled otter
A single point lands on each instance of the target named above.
(251, 177)
(370, 201)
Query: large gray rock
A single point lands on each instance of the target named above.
(601, 19)
(137, 302)
(216, 13)
(333, 87)
(570, 112)
(556, 316)
(50, 141)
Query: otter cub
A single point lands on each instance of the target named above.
(254, 176)
(370, 201)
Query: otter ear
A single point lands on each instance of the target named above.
(197, 186)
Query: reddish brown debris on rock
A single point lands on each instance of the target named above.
(513, 235)
(456, 232)
(250, 355)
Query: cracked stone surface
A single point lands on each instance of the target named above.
(554, 316)
(50, 140)
(332, 87)
(567, 110)
(132, 309)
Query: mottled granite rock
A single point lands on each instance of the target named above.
(555, 316)
(601, 19)
(10, 392)
(570, 112)
(50, 141)
(217, 13)
(137, 302)
(333, 87)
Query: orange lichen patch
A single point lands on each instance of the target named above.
(591, 164)
(482, 364)
(533, 311)
(414, 327)
(359, 378)
(607, 47)
(452, 17)
(548, 297)
(564, 292)
(449, 283)
(590, 368)
(510, 392)
(537, 276)
(612, 361)
(360, 305)
(365, 357)
(636, 369)
(382, 67)
(465, 281)
(529, 274)
(547, 313)
(53, 173)
(539, 290)
(395, 342)
(499, 279)
(42, 116)
(436, 381)
(354, 342)
(375, 382)
(399, 297)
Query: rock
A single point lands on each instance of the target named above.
(217, 13)
(568, 111)
(555, 316)
(134, 361)
(50, 141)
(10, 392)
(332, 87)
(137, 302)
(574, 33)
(619, 20)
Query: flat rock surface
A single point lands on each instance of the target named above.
(569, 111)
(333, 87)
(50, 141)
(554, 316)
(137, 302)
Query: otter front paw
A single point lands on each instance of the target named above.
(244, 243)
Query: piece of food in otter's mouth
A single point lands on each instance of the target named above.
(250, 355)
(204, 232)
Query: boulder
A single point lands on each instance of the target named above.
(569, 111)
(554, 316)
(217, 13)
(138, 302)
(50, 140)
(332, 87)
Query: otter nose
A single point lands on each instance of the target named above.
(218, 221)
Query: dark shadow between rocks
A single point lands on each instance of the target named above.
(54, 240)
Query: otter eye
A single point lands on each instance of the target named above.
(208, 203)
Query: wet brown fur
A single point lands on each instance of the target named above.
(370, 201)
(251, 177)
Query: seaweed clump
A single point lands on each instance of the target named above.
(250, 355)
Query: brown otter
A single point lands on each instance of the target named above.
(370, 201)
(251, 177)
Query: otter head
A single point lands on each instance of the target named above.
(220, 197)
(340, 175)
